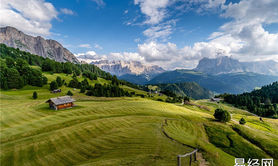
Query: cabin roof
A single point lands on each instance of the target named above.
(61, 100)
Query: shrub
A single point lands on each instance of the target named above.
(222, 115)
(242, 121)
(83, 89)
(70, 93)
(159, 100)
(35, 95)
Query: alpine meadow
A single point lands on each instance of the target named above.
(138, 83)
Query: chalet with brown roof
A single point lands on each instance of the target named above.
(61, 102)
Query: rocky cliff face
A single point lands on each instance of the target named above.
(219, 65)
(224, 65)
(120, 68)
(36, 45)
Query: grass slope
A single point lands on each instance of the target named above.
(122, 131)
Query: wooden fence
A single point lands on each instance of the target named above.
(188, 154)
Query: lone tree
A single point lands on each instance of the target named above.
(70, 93)
(53, 85)
(242, 121)
(59, 81)
(35, 95)
(222, 115)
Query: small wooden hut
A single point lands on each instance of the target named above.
(61, 102)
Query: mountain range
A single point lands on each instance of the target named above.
(120, 67)
(221, 75)
(224, 65)
(222, 83)
(36, 45)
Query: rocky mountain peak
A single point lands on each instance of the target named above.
(119, 67)
(36, 45)
(224, 65)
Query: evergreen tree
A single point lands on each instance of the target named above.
(3, 81)
(13, 78)
(53, 85)
(44, 80)
(10, 62)
(83, 89)
(35, 95)
(222, 115)
(242, 121)
(74, 83)
(59, 81)
(70, 93)
(48, 65)
(67, 68)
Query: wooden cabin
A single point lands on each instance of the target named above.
(60, 102)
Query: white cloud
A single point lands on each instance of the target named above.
(100, 3)
(155, 52)
(137, 40)
(156, 12)
(153, 9)
(32, 16)
(243, 38)
(169, 56)
(90, 56)
(126, 56)
(67, 11)
(245, 34)
(85, 46)
(159, 31)
(97, 46)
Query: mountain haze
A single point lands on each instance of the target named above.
(36, 45)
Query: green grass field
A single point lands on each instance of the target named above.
(124, 131)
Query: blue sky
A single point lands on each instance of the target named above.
(169, 33)
(107, 26)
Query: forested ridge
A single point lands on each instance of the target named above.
(17, 71)
(262, 102)
(190, 89)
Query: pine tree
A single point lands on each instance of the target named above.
(222, 115)
(53, 85)
(70, 93)
(35, 95)
(59, 81)
(242, 121)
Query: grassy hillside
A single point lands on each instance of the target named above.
(190, 89)
(124, 131)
